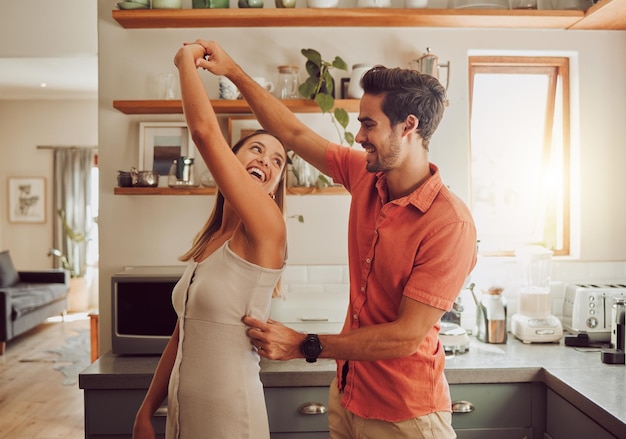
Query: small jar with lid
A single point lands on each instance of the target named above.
(288, 83)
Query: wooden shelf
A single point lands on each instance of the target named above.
(332, 190)
(348, 17)
(604, 15)
(164, 191)
(224, 106)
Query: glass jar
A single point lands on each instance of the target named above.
(287, 84)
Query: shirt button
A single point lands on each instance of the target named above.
(368, 260)
(354, 316)
(363, 289)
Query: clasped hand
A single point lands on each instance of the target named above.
(209, 56)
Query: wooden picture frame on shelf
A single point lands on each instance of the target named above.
(27, 200)
(241, 126)
(345, 83)
(160, 143)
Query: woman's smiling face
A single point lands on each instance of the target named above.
(264, 158)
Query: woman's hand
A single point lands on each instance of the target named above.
(194, 50)
(215, 59)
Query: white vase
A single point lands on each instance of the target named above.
(355, 91)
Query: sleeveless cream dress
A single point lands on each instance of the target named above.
(215, 390)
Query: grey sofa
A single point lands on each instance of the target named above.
(28, 298)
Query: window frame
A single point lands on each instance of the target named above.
(557, 68)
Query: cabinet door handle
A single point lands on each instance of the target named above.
(462, 407)
(312, 408)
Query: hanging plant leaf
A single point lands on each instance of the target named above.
(340, 64)
(349, 137)
(325, 102)
(308, 88)
(342, 117)
(312, 55)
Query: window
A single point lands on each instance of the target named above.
(520, 125)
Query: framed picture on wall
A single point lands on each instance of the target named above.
(241, 126)
(27, 199)
(160, 143)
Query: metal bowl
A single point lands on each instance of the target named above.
(124, 179)
(145, 178)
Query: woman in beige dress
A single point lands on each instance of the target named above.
(208, 370)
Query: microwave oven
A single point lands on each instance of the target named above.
(142, 314)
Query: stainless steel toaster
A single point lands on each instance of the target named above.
(587, 308)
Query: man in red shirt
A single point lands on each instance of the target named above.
(411, 245)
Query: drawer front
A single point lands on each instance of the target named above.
(502, 405)
(283, 404)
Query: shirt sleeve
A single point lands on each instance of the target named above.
(442, 265)
(344, 164)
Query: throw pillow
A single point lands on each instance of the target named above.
(8, 274)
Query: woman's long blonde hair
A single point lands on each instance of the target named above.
(213, 224)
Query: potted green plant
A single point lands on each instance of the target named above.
(319, 87)
(79, 295)
(76, 238)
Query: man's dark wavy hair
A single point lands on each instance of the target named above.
(408, 92)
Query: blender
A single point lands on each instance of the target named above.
(534, 321)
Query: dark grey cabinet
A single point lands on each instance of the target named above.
(293, 412)
(297, 412)
(495, 411)
(110, 414)
(564, 421)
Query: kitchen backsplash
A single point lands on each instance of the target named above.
(330, 283)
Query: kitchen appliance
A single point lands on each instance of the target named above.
(587, 309)
(453, 336)
(491, 316)
(615, 355)
(534, 321)
(142, 315)
(429, 63)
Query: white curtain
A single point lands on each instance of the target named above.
(73, 217)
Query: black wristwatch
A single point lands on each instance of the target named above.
(311, 348)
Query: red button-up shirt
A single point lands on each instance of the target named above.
(422, 246)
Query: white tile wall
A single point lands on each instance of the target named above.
(328, 285)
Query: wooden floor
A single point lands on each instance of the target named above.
(34, 403)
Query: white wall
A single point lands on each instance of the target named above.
(34, 29)
(25, 125)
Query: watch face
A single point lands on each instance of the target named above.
(311, 347)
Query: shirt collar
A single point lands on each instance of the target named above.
(422, 197)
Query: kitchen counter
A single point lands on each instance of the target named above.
(578, 375)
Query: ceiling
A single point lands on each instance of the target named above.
(49, 42)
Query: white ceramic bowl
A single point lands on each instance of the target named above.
(415, 3)
(167, 4)
(322, 3)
